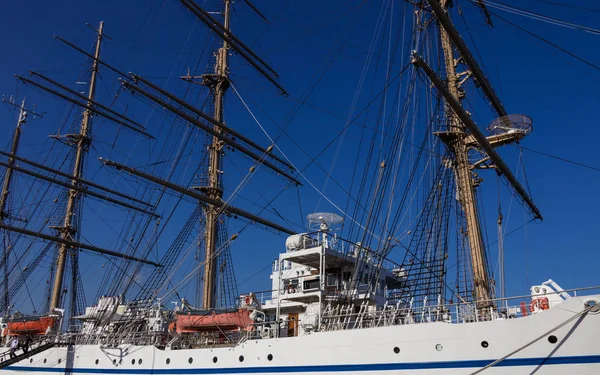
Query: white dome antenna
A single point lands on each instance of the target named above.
(323, 221)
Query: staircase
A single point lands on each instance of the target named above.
(7, 361)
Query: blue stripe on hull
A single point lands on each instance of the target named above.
(329, 368)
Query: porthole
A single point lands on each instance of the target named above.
(241, 358)
(215, 359)
(552, 339)
(190, 360)
(59, 360)
(439, 347)
(168, 360)
(485, 344)
(139, 361)
(30, 360)
(114, 361)
(133, 361)
(270, 357)
(396, 350)
(46, 360)
(96, 361)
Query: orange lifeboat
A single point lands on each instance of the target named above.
(214, 320)
(30, 325)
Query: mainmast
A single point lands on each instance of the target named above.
(4, 197)
(218, 83)
(82, 142)
(210, 190)
(456, 139)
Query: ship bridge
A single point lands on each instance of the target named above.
(318, 268)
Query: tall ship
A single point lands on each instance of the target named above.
(155, 183)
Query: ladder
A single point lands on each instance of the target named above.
(31, 352)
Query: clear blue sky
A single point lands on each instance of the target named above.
(158, 39)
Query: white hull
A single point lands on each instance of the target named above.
(365, 351)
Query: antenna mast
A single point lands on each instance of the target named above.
(218, 82)
(82, 142)
(455, 137)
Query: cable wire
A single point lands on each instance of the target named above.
(573, 55)
(562, 159)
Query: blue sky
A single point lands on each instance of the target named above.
(158, 39)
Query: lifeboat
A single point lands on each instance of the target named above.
(29, 325)
(213, 320)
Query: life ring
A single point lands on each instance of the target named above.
(541, 304)
(247, 300)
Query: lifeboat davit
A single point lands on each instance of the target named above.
(214, 320)
(29, 325)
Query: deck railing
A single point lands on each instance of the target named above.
(399, 314)
(339, 318)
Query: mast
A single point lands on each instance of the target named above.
(466, 181)
(4, 197)
(218, 83)
(82, 142)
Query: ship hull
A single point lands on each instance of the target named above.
(424, 348)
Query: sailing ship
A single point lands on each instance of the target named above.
(340, 301)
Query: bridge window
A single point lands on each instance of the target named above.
(311, 284)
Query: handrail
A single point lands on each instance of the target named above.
(529, 295)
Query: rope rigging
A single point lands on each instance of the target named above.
(550, 43)
(537, 16)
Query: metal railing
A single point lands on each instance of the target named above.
(341, 317)
(456, 313)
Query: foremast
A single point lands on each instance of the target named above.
(464, 135)
(82, 143)
(455, 139)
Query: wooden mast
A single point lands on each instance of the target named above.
(4, 197)
(218, 83)
(82, 142)
(455, 138)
